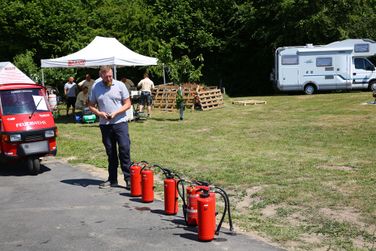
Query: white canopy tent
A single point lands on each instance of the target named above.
(101, 51)
(10, 74)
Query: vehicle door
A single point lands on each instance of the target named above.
(362, 72)
(289, 73)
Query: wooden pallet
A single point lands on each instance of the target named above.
(164, 97)
(211, 99)
(249, 102)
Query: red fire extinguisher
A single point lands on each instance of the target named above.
(147, 184)
(135, 171)
(207, 214)
(170, 192)
(190, 200)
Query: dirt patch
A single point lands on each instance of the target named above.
(342, 215)
(243, 204)
(296, 219)
(308, 242)
(203, 130)
(270, 210)
(335, 167)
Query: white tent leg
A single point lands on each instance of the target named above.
(42, 77)
(164, 76)
(115, 72)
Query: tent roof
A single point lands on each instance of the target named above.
(10, 74)
(100, 51)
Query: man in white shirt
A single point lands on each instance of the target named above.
(70, 90)
(146, 86)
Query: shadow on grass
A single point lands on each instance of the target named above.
(164, 119)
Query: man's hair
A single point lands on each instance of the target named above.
(105, 68)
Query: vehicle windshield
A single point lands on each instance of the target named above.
(24, 101)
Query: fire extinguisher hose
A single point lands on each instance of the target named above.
(224, 195)
(183, 197)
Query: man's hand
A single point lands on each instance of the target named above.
(105, 115)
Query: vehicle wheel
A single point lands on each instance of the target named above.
(372, 86)
(36, 166)
(33, 165)
(30, 165)
(309, 89)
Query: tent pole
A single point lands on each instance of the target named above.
(164, 76)
(115, 72)
(42, 77)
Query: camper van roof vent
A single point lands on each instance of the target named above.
(309, 45)
(369, 40)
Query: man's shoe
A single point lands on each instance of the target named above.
(108, 184)
(127, 183)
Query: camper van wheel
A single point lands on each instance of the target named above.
(33, 165)
(372, 85)
(309, 89)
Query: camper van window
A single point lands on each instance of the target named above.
(322, 62)
(361, 48)
(20, 101)
(359, 63)
(290, 59)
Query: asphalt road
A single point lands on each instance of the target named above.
(63, 209)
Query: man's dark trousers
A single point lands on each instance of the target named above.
(114, 135)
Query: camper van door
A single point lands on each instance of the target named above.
(362, 72)
(289, 73)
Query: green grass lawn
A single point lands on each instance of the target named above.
(300, 170)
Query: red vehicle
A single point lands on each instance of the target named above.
(27, 126)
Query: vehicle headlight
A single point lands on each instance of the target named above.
(15, 137)
(49, 134)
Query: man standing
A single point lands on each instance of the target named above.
(146, 86)
(112, 100)
(70, 91)
(86, 82)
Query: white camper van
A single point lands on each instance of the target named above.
(341, 65)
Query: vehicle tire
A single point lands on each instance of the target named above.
(309, 89)
(372, 85)
(33, 165)
(30, 165)
(36, 166)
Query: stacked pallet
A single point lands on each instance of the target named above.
(210, 99)
(164, 97)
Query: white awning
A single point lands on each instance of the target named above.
(101, 51)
